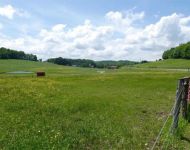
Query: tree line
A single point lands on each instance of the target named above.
(72, 62)
(181, 51)
(90, 63)
(109, 63)
(6, 53)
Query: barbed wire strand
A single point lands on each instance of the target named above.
(161, 130)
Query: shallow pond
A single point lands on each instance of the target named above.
(20, 72)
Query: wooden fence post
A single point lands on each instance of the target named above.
(184, 98)
(177, 106)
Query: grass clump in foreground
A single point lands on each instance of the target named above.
(75, 108)
(173, 139)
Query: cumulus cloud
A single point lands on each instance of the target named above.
(125, 19)
(119, 37)
(9, 12)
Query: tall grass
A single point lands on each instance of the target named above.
(73, 108)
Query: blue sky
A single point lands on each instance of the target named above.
(22, 29)
(73, 12)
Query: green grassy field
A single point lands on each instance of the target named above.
(79, 108)
(169, 63)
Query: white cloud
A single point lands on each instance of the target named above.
(121, 21)
(9, 12)
(124, 18)
(58, 27)
(118, 38)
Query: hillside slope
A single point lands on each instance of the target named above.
(169, 63)
(182, 51)
(9, 65)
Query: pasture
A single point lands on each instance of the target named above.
(168, 63)
(81, 108)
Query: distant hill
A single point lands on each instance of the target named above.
(109, 63)
(11, 65)
(168, 63)
(8, 65)
(72, 62)
(6, 53)
(176, 58)
(182, 51)
(90, 63)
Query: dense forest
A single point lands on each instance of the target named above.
(90, 63)
(181, 51)
(13, 54)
